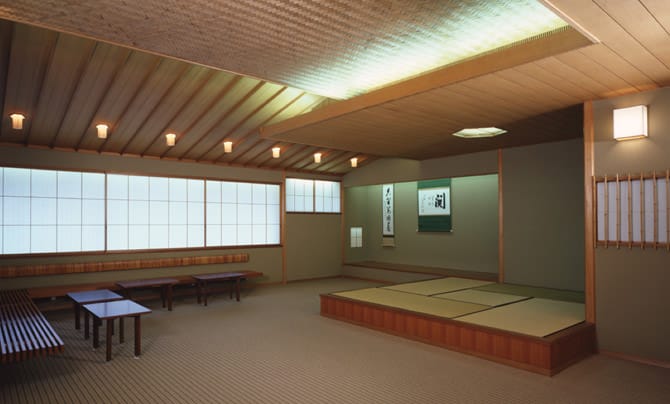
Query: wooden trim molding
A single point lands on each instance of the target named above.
(84, 267)
(635, 358)
(589, 216)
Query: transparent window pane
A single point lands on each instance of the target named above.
(43, 210)
(117, 237)
(117, 186)
(213, 235)
(178, 212)
(138, 237)
(16, 182)
(178, 189)
(196, 190)
(158, 188)
(69, 211)
(69, 238)
(213, 191)
(138, 188)
(43, 183)
(178, 234)
(93, 211)
(196, 213)
(158, 236)
(43, 239)
(16, 239)
(158, 212)
(93, 185)
(138, 213)
(16, 210)
(69, 184)
(92, 238)
(117, 212)
(196, 236)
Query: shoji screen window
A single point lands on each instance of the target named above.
(240, 213)
(45, 211)
(327, 196)
(299, 195)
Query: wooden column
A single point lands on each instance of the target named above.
(589, 209)
(282, 207)
(501, 243)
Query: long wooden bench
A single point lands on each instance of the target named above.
(24, 332)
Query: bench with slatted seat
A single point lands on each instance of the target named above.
(24, 332)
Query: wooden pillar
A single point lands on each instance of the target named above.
(501, 240)
(589, 216)
(282, 207)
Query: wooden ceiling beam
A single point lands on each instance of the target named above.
(559, 41)
(51, 47)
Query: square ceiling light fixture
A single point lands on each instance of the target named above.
(630, 123)
(473, 133)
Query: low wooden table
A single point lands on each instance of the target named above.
(164, 283)
(87, 297)
(202, 282)
(110, 311)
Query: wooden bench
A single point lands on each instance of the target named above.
(203, 280)
(24, 332)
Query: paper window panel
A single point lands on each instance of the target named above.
(229, 235)
(612, 209)
(229, 192)
(43, 183)
(196, 190)
(117, 237)
(93, 211)
(117, 212)
(138, 212)
(662, 192)
(213, 235)
(624, 211)
(637, 210)
(244, 193)
(244, 235)
(16, 239)
(600, 210)
(178, 212)
(16, 210)
(273, 234)
(69, 211)
(117, 186)
(178, 236)
(43, 211)
(159, 189)
(92, 238)
(213, 191)
(649, 210)
(259, 235)
(196, 213)
(93, 186)
(69, 184)
(158, 236)
(68, 238)
(195, 236)
(16, 182)
(272, 194)
(138, 237)
(138, 188)
(178, 189)
(43, 239)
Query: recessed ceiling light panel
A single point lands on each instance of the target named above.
(472, 133)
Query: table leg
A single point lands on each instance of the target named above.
(168, 290)
(205, 291)
(231, 286)
(138, 336)
(163, 290)
(121, 331)
(108, 340)
(87, 326)
(77, 321)
(96, 332)
(198, 289)
(237, 289)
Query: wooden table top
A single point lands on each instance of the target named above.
(139, 283)
(116, 309)
(94, 296)
(221, 275)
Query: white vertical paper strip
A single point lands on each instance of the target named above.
(611, 208)
(623, 214)
(636, 210)
(387, 210)
(662, 211)
(600, 210)
(649, 211)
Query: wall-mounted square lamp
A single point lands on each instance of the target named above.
(630, 123)
(17, 121)
(227, 147)
(102, 130)
(275, 152)
(170, 139)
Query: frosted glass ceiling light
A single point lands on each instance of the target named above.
(17, 121)
(227, 147)
(354, 162)
(276, 152)
(102, 130)
(170, 139)
(317, 157)
(630, 123)
(471, 133)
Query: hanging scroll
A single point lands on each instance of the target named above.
(434, 205)
(387, 210)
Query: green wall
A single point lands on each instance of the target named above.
(632, 296)
(543, 205)
(265, 259)
(471, 246)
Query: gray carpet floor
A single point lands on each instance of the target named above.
(274, 347)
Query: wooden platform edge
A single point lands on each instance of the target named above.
(14, 271)
(423, 270)
(546, 356)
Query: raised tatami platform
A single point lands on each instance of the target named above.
(506, 323)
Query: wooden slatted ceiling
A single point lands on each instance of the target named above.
(65, 85)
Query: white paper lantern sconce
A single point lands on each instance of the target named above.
(630, 123)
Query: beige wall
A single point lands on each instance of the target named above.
(313, 246)
(543, 196)
(471, 246)
(265, 259)
(632, 296)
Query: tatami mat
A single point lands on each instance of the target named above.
(408, 301)
(436, 286)
(537, 317)
(532, 291)
(481, 297)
